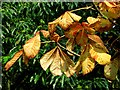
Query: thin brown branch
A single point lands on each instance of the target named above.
(114, 41)
(67, 49)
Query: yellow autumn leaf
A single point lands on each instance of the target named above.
(85, 62)
(75, 17)
(99, 55)
(88, 65)
(13, 60)
(111, 69)
(32, 46)
(98, 40)
(92, 20)
(58, 62)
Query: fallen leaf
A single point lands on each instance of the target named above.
(32, 46)
(13, 60)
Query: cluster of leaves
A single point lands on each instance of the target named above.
(91, 52)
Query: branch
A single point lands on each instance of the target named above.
(47, 42)
(68, 50)
(88, 7)
(105, 17)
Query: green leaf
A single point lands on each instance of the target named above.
(36, 78)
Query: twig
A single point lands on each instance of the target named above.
(81, 8)
(114, 41)
(48, 42)
(99, 11)
(105, 17)
(68, 50)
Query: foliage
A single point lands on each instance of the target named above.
(81, 33)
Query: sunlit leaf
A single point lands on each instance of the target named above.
(92, 20)
(58, 62)
(110, 4)
(47, 59)
(85, 62)
(88, 65)
(66, 21)
(13, 60)
(75, 17)
(55, 67)
(111, 69)
(32, 46)
(99, 55)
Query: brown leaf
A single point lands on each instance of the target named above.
(46, 34)
(55, 37)
(47, 59)
(13, 60)
(70, 45)
(67, 65)
(55, 67)
(81, 38)
(52, 25)
(111, 69)
(73, 30)
(66, 21)
(32, 46)
(97, 39)
(58, 61)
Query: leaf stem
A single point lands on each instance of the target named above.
(68, 50)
